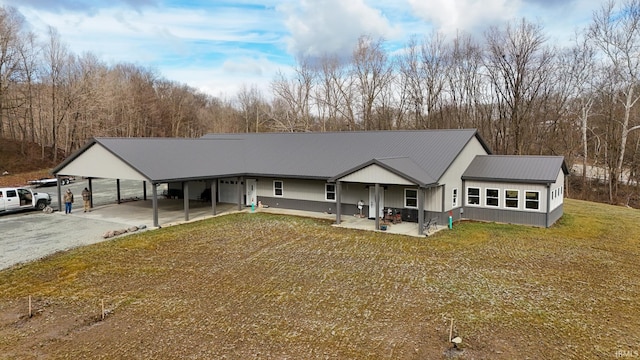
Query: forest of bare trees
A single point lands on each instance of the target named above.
(524, 94)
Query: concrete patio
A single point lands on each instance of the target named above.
(171, 212)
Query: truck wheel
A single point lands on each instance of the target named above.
(41, 205)
(65, 181)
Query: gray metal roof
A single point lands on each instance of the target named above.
(515, 168)
(421, 156)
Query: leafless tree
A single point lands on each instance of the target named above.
(517, 62)
(616, 33)
(372, 73)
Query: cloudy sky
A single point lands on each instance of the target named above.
(218, 46)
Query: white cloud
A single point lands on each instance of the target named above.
(319, 27)
(450, 16)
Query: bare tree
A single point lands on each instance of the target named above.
(517, 62)
(11, 26)
(297, 94)
(372, 73)
(334, 95)
(616, 32)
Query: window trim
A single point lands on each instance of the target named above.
(281, 188)
(416, 198)
(479, 196)
(517, 199)
(486, 197)
(526, 200)
(327, 192)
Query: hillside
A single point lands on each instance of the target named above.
(23, 162)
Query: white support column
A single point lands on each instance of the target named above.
(420, 211)
(338, 201)
(377, 209)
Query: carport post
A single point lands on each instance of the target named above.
(91, 194)
(118, 189)
(214, 190)
(185, 192)
(144, 190)
(59, 194)
(154, 203)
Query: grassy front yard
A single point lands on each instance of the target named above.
(278, 287)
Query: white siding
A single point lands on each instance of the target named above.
(452, 178)
(501, 187)
(375, 174)
(433, 199)
(557, 191)
(97, 162)
(311, 190)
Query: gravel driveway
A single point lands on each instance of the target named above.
(32, 235)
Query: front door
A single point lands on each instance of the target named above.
(252, 192)
(372, 202)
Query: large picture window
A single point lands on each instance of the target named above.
(493, 197)
(330, 191)
(473, 196)
(278, 188)
(411, 198)
(532, 200)
(511, 198)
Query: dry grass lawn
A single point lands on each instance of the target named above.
(277, 287)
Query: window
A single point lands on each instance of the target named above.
(511, 198)
(11, 193)
(454, 197)
(330, 191)
(473, 196)
(493, 197)
(411, 198)
(532, 200)
(277, 188)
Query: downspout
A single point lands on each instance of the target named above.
(144, 190)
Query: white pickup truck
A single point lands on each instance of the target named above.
(15, 199)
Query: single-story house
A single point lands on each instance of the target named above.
(418, 175)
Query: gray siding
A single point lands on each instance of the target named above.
(506, 216)
(307, 205)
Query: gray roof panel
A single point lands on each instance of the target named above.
(515, 168)
(423, 155)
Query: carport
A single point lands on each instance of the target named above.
(155, 161)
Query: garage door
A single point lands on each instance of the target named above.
(227, 191)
